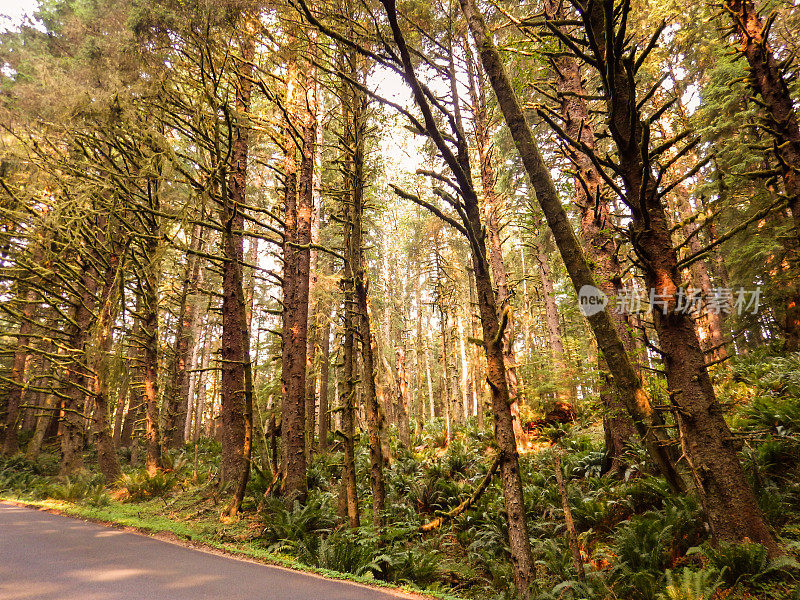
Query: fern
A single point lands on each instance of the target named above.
(739, 561)
(691, 585)
(80, 487)
(140, 485)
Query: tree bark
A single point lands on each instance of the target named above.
(47, 408)
(192, 378)
(596, 228)
(374, 416)
(419, 352)
(626, 379)
(354, 107)
(176, 404)
(493, 327)
(708, 322)
(237, 383)
(324, 378)
(18, 371)
(429, 380)
(311, 137)
(572, 533)
(709, 447)
(148, 356)
(347, 399)
(202, 392)
(297, 238)
(447, 392)
(554, 334)
(74, 420)
(108, 307)
(492, 207)
(768, 81)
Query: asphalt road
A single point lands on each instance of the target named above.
(50, 557)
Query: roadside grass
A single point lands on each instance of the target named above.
(638, 540)
(179, 517)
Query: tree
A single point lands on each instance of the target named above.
(626, 380)
(767, 79)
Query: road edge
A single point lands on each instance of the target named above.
(77, 512)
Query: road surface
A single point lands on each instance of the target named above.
(50, 557)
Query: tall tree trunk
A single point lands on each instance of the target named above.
(554, 334)
(202, 384)
(28, 421)
(626, 379)
(233, 323)
(176, 403)
(428, 379)
(354, 107)
(572, 534)
(47, 409)
(402, 398)
(447, 392)
(501, 406)
(106, 451)
(324, 378)
(119, 414)
(311, 135)
(769, 81)
(596, 230)
(475, 333)
(148, 357)
(135, 402)
(297, 239)
(373, 411)
(192, 378)
(419, 352)
(18, 372)
(237, 379)
(708, 322)
(709, 449)
(455, 381)
(466, 388)
(74, 420)
(492, 206)
(347, 399)
(493, 324)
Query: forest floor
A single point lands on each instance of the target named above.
(637, 539)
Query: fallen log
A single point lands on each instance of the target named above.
(452, 514)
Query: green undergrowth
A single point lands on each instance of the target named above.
(233, 537)
(638, 540)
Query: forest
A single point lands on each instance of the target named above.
(483, 298)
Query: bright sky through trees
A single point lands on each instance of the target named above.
(13, 11)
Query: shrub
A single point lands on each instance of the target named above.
(589, 465)
(345, 551)
(140, 485)
(778, 414)
(83, 487)
(19, 475)
(746, 560)
(644, 547)
(776, 375)
(691, 585)
(298, 527)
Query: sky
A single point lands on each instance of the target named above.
(15, 10)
